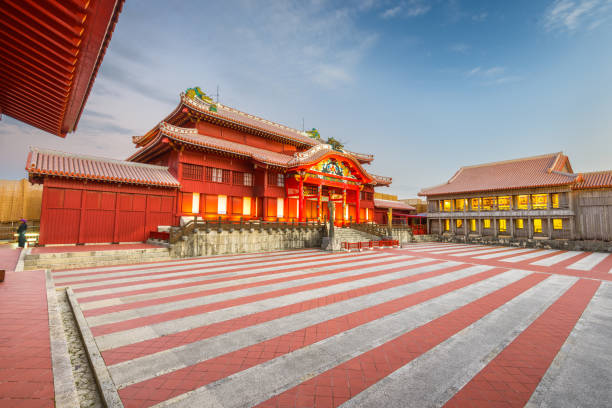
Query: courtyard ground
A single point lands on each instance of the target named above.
(427, 325)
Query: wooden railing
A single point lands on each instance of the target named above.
(378, 230)
(232, 225)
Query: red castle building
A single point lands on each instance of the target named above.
(206, 160)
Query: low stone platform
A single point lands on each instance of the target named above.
(87, 256)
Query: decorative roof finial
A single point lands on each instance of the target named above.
(314, 133)
(196, 92)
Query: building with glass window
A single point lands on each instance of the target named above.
(203, 160)
(533, 197)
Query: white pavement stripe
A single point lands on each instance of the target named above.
(132, 276)
(535, 254)
(589, 262)
(257, 384)
(502, 254)
(116, 317)
(581, 373)
(449, 247)
(205, 286)
(462, 250)
(198, 259)
(430, 381)
(166, 361)
(173, 279)
(131, 336)
(485, 251)
(556, 259)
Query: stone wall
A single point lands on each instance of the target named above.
(232, 242)
(568, 245)
(405, 236)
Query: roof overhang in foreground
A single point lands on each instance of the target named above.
(50, 53)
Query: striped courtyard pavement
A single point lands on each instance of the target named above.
(431, 324)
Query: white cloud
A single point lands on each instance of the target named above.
(409, 8)
(573, 15)
(473, 71)
(392, 12)
(480, 16)
(492, 76)
(460, 48)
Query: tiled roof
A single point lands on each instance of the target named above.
(312, 155)
(191, 135)
(236, 116)
(60, 164)
(537, 171)
(396, 205)
(596, 179)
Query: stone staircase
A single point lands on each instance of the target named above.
(353, 235)
(89, 259)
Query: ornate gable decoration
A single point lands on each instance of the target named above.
(333, 167)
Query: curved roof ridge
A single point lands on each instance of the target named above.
(35, 149)
(541, 156)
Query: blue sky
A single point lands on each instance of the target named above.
(426, 86)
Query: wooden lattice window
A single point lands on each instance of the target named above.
(192, 171)
(237, 178)
(248, 179)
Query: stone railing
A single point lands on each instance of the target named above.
(220, 225)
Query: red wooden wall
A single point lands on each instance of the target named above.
(89, 212)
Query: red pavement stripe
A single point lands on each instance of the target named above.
(352, 377)
(513, 375)
(223, 366)
(147, 347)
(565, 263)
(204, 262)
(526, 263)
(206, 292)
(170, 285)
(604, 266)
(197, 267)
(154, 264)
(177, 314)
(324, 261)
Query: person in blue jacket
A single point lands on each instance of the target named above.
(22, 233)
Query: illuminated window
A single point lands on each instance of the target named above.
(280, 207)
(487, 223)
(538, 201)
(460, 204)
(537, 225)
(222, 204)
(195, 203)
(446, 205)
(554, 200)
(475, 204)
(504, 203)
(502, 226)
(246, 206)
(446, 225)
(557, 223)
(473, 225)
(519, 223)
(489, 203)
(459, 223)
(522, 202)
